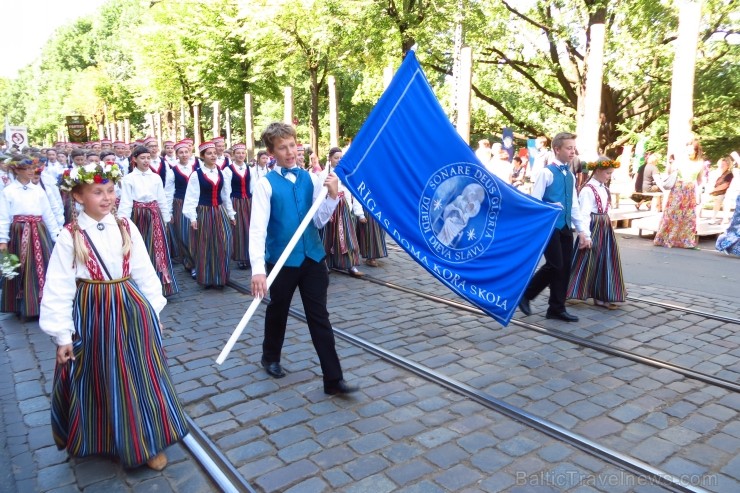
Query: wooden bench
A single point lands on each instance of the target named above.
(656, 197)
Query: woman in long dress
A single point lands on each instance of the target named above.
(597, 271)
(678, 224)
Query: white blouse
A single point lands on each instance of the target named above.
(143, 187)
(192, 194)
(63, 271)
(169, 186)
(18, 199)
(587, 200)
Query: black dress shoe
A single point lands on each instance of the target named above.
(273, 369)
(524, 306)
(339, 387)
(564, 316)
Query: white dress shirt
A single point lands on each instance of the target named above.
(261, 215)
(63, 271)
(544, 179)
(192, 194)
(18, 199)
(143, 186)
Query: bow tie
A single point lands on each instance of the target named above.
(285, 171)
(562, 167)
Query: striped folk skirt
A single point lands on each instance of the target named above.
(340, 239)
(148, 219)
(22, 294)
(117, 397)
(597, 272)
(211, 245)
(678, 224)
(243, 208)
(181, 234)
(371, 238)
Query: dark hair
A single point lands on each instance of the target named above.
(333, 151)
(138, 151)
(262, 153)
(106, 152)
(517, 159)
(77, 152)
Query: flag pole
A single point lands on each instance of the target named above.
(273, 274)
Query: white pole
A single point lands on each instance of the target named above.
(273, 274)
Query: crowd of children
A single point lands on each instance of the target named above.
(88, 238)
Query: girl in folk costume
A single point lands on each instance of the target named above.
(208, 207)
(260, 169)
(177, 184)
(372, 240)
(27, 229)
(340, 240)
(143, 200)
(238, 175)
(169, 153)
(49, 185)
(194, 161)
(112, 393)
(597, 272)
(222, 159)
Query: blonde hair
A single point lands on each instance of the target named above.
(81, 254)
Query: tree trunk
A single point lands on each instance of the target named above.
(313, 124)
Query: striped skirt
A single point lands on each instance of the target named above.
(181, 235)
(117, 397)
(371, 238)
(210, 245)
(678, 224)
(22, 294)
(597, 272)
(154, 232)
(243, 208)
(340, 240)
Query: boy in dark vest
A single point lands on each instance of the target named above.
(556, 184)
(279, 203)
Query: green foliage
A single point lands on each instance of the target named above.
(132, 58)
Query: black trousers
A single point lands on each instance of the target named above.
(312, 280)
(556, 271)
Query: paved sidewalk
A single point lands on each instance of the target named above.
(31, 461)
(400, 432)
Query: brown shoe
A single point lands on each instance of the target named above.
(371, 262)
(158, 462)
(355, 273)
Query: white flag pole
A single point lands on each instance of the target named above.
(275, 270)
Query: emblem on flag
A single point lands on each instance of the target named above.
(424, 185)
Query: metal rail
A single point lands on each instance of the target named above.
(693, 311)
(687, 372)
(630, 464)
(214, 462)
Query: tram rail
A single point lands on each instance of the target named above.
(630, 464)
(221, 471)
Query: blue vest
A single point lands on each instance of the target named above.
(181, 182)
(561, 190)
(210, 194)
(288, 206)
(162, 170)
(239, 185)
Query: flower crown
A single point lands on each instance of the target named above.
(89, 174)
(607, 163)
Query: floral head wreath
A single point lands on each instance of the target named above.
(89, 174)
(602, 163)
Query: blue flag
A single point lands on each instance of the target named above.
(415, 175)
